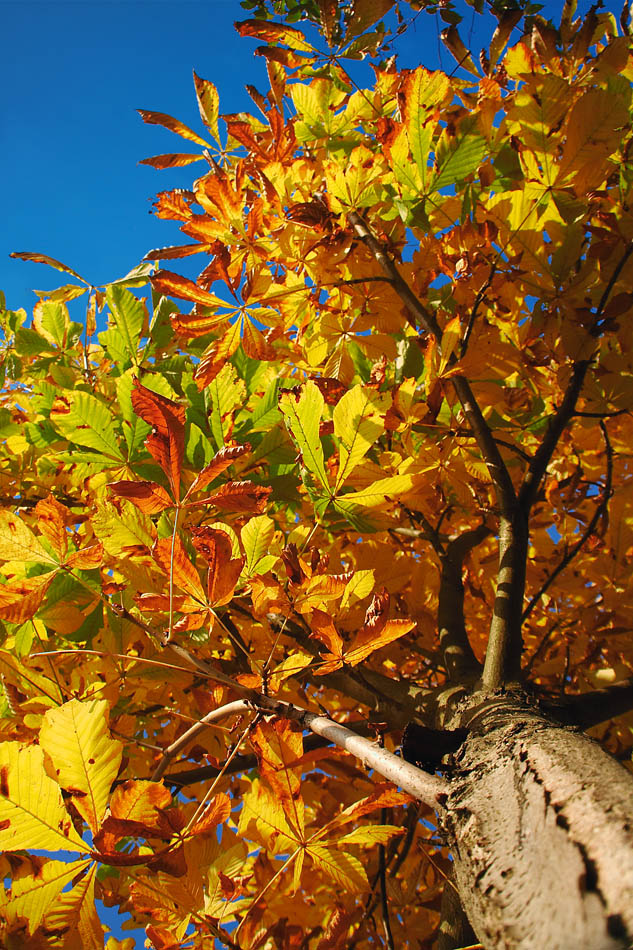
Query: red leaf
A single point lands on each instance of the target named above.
(167, 441)
(224, 570)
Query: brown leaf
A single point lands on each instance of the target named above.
(239, 496)
(179, 566)
(218, 464)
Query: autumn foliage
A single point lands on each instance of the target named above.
(414, 306)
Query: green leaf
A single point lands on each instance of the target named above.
(121, 533)
(225, 392)
(303, 418)
(257, 535)
(458, 158)
(53, 320)
(128, 314)
(89, 423)
(358, 423)
(28, 342)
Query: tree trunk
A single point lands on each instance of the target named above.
(539, 820)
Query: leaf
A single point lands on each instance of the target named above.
(257, 535)
(32, 814)
(89, 422)
(122, 532)
(239, 496)
(50, 261)
(173, 285)
(170, 160)
(342, 868)
(148, 497)
(371, 835)
(32, 895)
(303, 418)
(174, 125)
(21, 599)
(74, 914)
(18, 543)
(224, 570)
(274, 33)
(222, 460)
(209, 104)
(358, 423)
(128, 315)
(166, 443)
(174, 561)
(424, 91)
(85, 759)
(51, 521)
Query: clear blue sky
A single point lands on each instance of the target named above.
(73, 73)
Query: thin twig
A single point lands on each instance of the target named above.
(598, 513)
(473, 315)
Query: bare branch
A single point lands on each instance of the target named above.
(571, 554)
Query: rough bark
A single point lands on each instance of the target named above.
(540, 823)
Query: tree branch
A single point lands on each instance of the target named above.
(505, 645)
(459, 659)
(599, 705)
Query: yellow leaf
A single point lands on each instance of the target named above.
(18, 543)
(32, 895)
(263, 820)
(32, 813)
(74, 914)
(358, 423)
(279, 749)
(86, 760)
(343, 868)
(371, 834)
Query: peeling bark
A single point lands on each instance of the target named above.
(540, 823)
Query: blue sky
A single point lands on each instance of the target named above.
(73, 74)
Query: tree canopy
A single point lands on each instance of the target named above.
(376, 454)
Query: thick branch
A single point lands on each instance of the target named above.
(590, 709)
(459, 659)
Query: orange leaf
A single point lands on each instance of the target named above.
(174, 285)
(174, 125)
(51, 520)
(87, 559)
(171, 160)
(216, 812)
(216, 355)
(45, 259)
(274, 33)
(366, 642)
(20, 600)
(167, 441)
(218, 464)
(255, 344)
(323, 629)
(239, 496)
(185, 575)
(215, 547)
(148, 496)
(175, 250)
